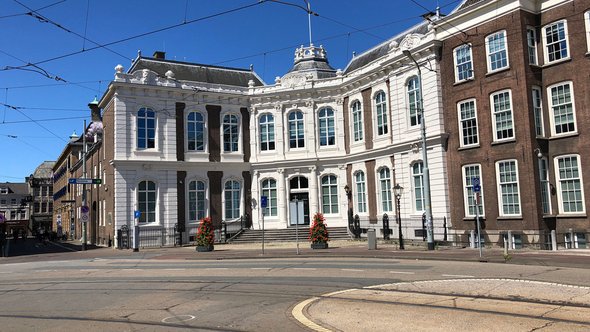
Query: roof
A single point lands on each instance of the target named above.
(382, 49)
(195, 72)
(16, 188)
(467, 3)
(45, 170)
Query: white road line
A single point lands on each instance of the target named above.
(88, 270)
(352, 270)
(46, 270)
(174, 269)
(5, 272)
(402, 272)
(260, 268)
(216, 268)
(304, 268)
(298, 314)
(458, 275)
(132, 269)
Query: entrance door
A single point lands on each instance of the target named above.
(303, 197)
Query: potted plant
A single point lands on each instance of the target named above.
(205, 235)
(318, 233)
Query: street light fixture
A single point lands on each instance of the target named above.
(426, 170)
(398, 191)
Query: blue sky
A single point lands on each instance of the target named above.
(51, 99)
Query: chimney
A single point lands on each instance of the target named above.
(159, 55)
(94, 111)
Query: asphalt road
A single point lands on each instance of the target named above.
(154, 292)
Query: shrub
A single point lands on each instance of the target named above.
(205, 235)
(318, 233)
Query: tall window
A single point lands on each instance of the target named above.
(329, 194)
(502, 116)
(327, 131)
(545, 188)
(269, 189)
(361, 192)
(468, 123)
(463, 63)
(538, 112)
(381, 108)
(296, 132)
(195, 131)
(418, 187)
(230, 133)
(561, 105)
(497, 51)
(556, 43)
(385, 188)
(267, 132)
(232, 199)
(470, 172)
(587, 23)
(146, 201)
(146, 128)
(569, 184)
(196, 200)
(357, 121)
(531, 39)
(414, 100)
(508, 188)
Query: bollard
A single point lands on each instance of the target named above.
(385, 226)
(136, 238)
(553, 240)
(372, 239)
(472, 239)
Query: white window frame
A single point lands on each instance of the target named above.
(381, 124)
(496, 113)
(414, 108)
(457, 65)
(553, 106)
(508, 183)
(531, 39)
(418, 184)
(145, 217)
(560, 184)
(385, 190)
(537, 103)
(326, 119)
(298, 131)
(268, 188)
(545, 186)
(463, 121)
(205, 135)
(356, 110)
(360, 184)
(587, 25)
(502, 51)
(267, 132)
(332, 187)
(145, 119)
(196, 192)
(239, 134)
(469, 194)
(546, 46)
(225, 200)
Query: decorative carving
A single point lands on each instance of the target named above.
(278, 80)
(393, 45)
(170, 75)
(251, 83)
(339, 101)
(410, 41)
(119, 69)
(415, 147)
(309, 103)
(280, 170)
(279, 107)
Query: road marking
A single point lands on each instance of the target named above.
(260, 268)
(174, 269)
(402, 272)
(178, 319)
(304, 268)
(132, 269)
(46, 270)
(5, 272)
(297, 313)
(457, 275)
(216, 268)
(352, 270)
(88, 270)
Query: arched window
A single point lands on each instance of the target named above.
(231, 133)
(385, 189)
(329, 194)
(267, 132)
(381, 109)
(296, 130)
(195, 131)
(414, 100)
(361, 192)
(232, 199)
(418, 186)
(269, 189)
(327, 130)
(146, 201)
(196, 200)
(146, 128)
(357, 121)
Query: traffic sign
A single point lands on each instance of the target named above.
(85, 209)
(263, 201)
(476, 188)
(136, 214)
(2, 219)
(475, 181)
(84, 181)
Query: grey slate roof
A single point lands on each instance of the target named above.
(381, 50)
(16, 188)
(185, 71)
(468, 3)
(45, 170)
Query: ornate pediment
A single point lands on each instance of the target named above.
(410, 41)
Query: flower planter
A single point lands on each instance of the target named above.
(205, 248)
(319, 245)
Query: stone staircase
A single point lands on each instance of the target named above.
(286, 235)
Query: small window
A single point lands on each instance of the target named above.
(329, 194)
(267, 132)
(296, 130)
(385, 190)
(502, 118)
(469, 173)
(231, 133)
(269, 189)
(4, 191)
(508, 189)
(361, 192)
(195, 124)
(414, 100)
(146, 201)
(146, 128)
(357, 121)
(538, 112)
(197, 193)
(587, 23)
(463, 63)
(327, 129)
(232, 192)
(497, 51)
(561, 106)
(545, 185)
(570, 187)
(418, 186)
(381, 110)
(468, 123)
(531, 39)
(556, 42)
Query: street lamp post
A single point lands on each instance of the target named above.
(426, 170)
(398, 191)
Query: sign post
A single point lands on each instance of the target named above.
(136, 216)
(477, 191)
(263, 205)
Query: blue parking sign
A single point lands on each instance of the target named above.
(137, 214)
(263, 201)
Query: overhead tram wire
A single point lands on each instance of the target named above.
(145, 34)
(33, 120)
(38, 9)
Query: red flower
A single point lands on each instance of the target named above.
(318, 233)
(205, 234)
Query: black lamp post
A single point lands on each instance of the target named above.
(398, 191)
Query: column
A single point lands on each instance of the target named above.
(283, 197)
(313, 191)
